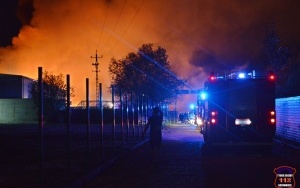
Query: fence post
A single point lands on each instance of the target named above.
(122, 117)
(68, 122)
(114, 117)
(142, 118)
(147, 106)
(101, 123)
(138, 115)
(127, 120)
(87, 120)
(132, 110)
(41, 123)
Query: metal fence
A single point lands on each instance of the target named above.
(90, 135)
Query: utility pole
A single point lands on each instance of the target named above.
(96, 64)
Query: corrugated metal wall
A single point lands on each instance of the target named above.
(288, 119)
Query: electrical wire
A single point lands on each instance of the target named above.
(103, 24)
(116, 22)
(128, 26)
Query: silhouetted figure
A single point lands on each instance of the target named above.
(155, 124)
(181, 117)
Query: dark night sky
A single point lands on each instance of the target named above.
(199, 35)
(9, 22)
(13, 14)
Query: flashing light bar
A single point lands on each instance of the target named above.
(243, 75)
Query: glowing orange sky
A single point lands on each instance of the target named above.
(63, 35)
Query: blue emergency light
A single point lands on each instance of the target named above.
(241, 75)
(203, 95)
(192, 106)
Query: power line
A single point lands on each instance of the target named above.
(154, 62)
(116, 22)
(96, 64)
(128, 26)
(166, 70)
(103, 24)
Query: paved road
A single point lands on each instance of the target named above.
(184, 162)
(179, 164)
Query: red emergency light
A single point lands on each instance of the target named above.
(213, 119)
(272, 117)
(212, 76)
(271, 76)
(272, 120)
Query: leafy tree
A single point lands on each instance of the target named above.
(293, 81)
(148, 72)
(279, 58)
(54, 93)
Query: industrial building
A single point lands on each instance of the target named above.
(15, 104)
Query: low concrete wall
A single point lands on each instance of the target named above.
(288, 119)
(17, 111)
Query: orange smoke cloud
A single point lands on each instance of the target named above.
(63, 35)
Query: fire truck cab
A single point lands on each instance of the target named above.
(238, 107)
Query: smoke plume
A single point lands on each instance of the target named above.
(199, 36)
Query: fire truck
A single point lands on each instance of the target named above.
(238, 107)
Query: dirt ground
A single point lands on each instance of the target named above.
(63, 159)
